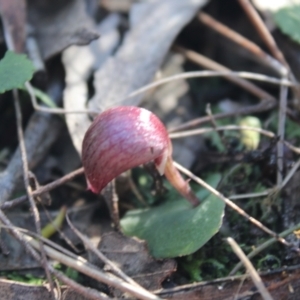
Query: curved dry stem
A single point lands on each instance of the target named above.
(199, 74)
(185, 75)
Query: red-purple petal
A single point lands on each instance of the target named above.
(119, 139)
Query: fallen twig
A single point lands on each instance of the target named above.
(86, 292)
(262, 30)
(253, 273)
(199, 131)
(263, 106)
(268, 40)
(212, 65)
(28, 188)
(81, 265)
(100, 255)
(243, 42)
(42, 189)
(281, 132)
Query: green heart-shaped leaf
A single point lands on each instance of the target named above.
(175, 228)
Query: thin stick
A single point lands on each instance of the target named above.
(173, 291)
(112, 200)
(80, 265)
(199, 74)
(250, 195)
(280, 132)
(232, 205)
(89, 293)
(263, 106)
(212, 65)
(45, 240)
(100, 255)
(253, 273)
(262, 30)
(243, 42)
(43, 189)
(82, 290)
(136, 191)
(199, 131)
(269, 41)
(69, 254)
(34, 209)
(264, 246)
(60, 111)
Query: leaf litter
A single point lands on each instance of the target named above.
(133, 50)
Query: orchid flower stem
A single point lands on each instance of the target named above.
(181, 185)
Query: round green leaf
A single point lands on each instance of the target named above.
(15, 70)
(175, 228)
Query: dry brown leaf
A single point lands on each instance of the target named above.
(17, 259)
(132, 256)
(79, 63)
(38, 140)
(154, 28)
(12, 290)
(59, 24)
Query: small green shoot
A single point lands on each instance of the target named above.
(44, 97)
(52, 227)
